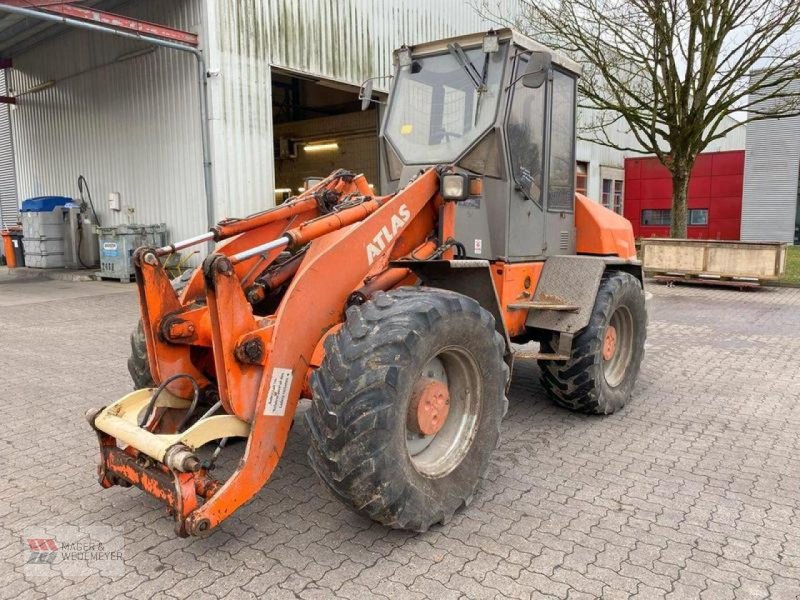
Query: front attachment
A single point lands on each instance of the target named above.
(165, 465)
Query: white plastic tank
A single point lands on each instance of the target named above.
(43, 231)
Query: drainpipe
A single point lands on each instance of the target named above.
(201, 81)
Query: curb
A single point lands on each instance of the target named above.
(52, 274)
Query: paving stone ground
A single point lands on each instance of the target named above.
(692, 491)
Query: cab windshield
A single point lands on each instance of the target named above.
(442, 104)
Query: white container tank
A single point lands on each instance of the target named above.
(43, 231)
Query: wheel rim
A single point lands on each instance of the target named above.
(443, 412)
(617, 347)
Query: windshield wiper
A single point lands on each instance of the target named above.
(478, 79)
(482, 88)
(461, 58)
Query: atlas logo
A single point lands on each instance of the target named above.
(387, 234)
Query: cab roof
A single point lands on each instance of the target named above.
(476, 39)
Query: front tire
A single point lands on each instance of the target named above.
(606, 355)
(407, 406)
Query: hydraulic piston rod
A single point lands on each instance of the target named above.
(315, 228)
(336, 183)
(192, 241)
(256, 250)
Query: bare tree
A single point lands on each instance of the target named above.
(672, 71)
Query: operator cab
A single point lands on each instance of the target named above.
(499, 108)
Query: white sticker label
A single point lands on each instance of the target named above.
(278, 394)
(478, 246)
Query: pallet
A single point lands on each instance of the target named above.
(121, 278)
(696, 280)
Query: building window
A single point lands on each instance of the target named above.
(611, 195)
(698, 216)
(618, 196)
(662, 216)
(656, 216)
(581, 178)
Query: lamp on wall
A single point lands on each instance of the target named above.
(321, 147)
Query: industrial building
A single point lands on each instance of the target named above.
(771, 195)
(210, 109)
(186, 143)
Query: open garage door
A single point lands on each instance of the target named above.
(319, 127)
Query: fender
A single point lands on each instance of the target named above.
(471, 278)
(573, 280)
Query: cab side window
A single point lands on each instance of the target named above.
(560, 181)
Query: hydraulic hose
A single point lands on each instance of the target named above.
(151, 405)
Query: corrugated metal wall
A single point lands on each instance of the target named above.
(771, 169)
(346, 40)
(131, 127)
(8, 176)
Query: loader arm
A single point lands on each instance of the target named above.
(169, 324)
(261, 363)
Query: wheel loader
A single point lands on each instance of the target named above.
(397, 316)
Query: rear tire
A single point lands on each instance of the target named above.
(606, 354)
(138, 365)
(364, 445)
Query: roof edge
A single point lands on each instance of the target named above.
(506, 33)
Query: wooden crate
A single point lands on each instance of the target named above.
(715, 258)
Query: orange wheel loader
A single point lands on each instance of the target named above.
(398, 316)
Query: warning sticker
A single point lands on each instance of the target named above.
(278, 394)
(478, 246)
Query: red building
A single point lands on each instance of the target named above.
(715, 196)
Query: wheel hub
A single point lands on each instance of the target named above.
(430, 405)
(610, 342)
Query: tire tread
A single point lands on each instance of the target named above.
(353, 395)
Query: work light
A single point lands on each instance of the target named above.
(455, 186)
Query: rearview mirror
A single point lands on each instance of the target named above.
(365, 93)
(536, 70)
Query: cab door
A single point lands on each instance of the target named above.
(525, 139)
